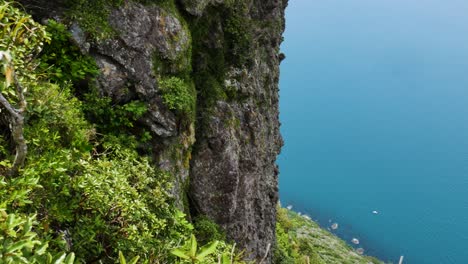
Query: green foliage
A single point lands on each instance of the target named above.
(128, 205)
(211, 61)
(206, 230)
(19, 242)
(238, 34)
(109, 201)
(109, 117)
(113, 119)
(22, 38)
(178, 95)
(123, 260)
(21, 245)
(20, 35)
(190, 251)
(300, 240)
(63, 61)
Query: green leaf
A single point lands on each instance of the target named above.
(193, 246)
(42, 249)
(179, 253)
(60, 259)
(207, 250)
(122, 258)
(225, 259)
(134, 260)
(17, 246)
(70, 258)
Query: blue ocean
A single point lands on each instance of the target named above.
(374, 110)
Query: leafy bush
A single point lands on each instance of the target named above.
(207, 231)
(23, 39)
(63, 61)
(21, 245)
(127, 204)
(100, 193)
(109, 117)
(178, 95)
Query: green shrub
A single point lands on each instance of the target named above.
(63, 61)
(178, 95)
(22, 38)
(107, 200)
(207, 231)
(109, 117)
(20, 243)
(125, 205)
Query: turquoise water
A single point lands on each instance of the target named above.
(374, 106)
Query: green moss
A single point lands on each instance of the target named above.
(181, 66)
(93, 16)
(212, 58)
(238, 31)
(209, 64)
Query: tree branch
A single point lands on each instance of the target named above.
(16, 125)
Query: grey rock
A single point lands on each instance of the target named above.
(126, 61)
(79, 37)
(234, 178)
(197, 7)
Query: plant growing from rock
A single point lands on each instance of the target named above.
(177, 95)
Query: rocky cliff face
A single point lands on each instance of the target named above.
(222, 152)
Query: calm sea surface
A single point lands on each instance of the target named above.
(374, 106)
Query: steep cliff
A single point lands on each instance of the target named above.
(207, 71)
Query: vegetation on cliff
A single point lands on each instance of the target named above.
(300, 240)
(84, 189)
(88, 189)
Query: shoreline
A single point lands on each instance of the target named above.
(326, 246)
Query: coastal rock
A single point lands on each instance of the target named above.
(233, 177)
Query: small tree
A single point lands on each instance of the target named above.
(21, 39)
